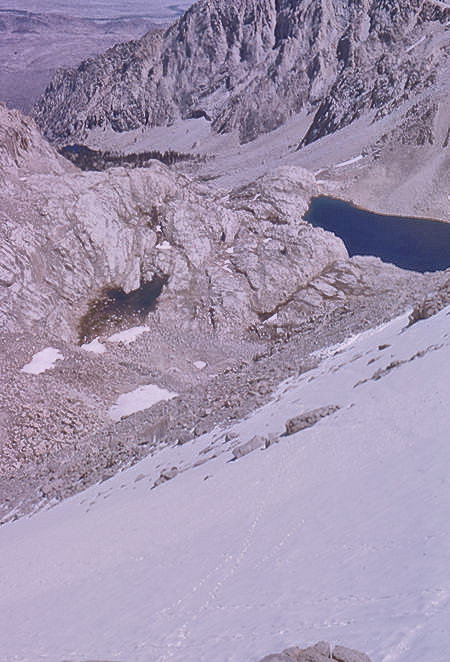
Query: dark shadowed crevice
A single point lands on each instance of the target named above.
(114, 309)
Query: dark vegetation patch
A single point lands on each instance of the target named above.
(86, 158)
(114, 309)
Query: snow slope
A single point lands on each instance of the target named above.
(339, 532)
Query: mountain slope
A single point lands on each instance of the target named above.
(339, 532)
(250, 65)
(234, 280)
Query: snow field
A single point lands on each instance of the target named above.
(340, 532)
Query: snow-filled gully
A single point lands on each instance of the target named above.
(339, 532)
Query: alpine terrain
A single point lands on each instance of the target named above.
(224, 430)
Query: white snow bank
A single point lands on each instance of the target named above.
(129, 335)
(95, 346)
(349, 162)
(340, 532)
(43, 361)
(165, 246)
(138, 400)
(330, 351)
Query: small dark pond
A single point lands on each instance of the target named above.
(410, 243)
(115, 309)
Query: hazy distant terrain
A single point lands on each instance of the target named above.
(163, 10)
(38, 36)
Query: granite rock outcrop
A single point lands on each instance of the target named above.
(250, 65)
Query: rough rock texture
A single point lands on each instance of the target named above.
(321, 652)
(227, 257)
(309, 419)
(435, 302)
(251, 64)
(244, 449)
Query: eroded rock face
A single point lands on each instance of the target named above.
(227, 258)
(251, 64)
(321, 652)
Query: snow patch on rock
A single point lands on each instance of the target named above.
(43, 361)
(129, 335)
(142, 398)
(95, 347)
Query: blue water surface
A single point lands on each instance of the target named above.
(410, 243)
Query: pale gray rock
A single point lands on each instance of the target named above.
(342, 654)
(309, 419)
(321, 652)
(252, 64)
(271, 439)
(166, 475)
(432, 304)
(33, 46)
(249, 287)
(226, 258)
(253, 444)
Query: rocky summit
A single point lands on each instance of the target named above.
(249, 65)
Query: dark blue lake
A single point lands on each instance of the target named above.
(410, 243)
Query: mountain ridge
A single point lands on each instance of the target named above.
(250, 66)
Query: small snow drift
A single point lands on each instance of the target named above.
(95, 347)
(43, 361)
(129, 335)
(138, 400)
(115, 307)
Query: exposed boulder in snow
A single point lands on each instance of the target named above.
(321, 652)
(309, 419)
(342, 654)
(165, 475)
(253, 444)
(432, 304)
(291, 545)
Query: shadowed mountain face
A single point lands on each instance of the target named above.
(251, 64)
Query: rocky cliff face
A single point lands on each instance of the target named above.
(227, 258)
(249, 65)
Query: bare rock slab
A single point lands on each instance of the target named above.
(244, 449)
(320, 652)
(309, 418)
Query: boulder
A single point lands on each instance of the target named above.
(244, 449)
(309, 418)
(320, 652)
(342, 654)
